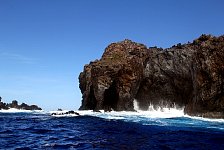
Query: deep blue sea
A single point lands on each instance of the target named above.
(115, 130)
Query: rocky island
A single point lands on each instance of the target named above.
(14, 104)
(186, 75)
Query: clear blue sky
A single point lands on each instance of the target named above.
(44, 44)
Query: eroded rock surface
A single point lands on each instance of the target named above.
(189, 75)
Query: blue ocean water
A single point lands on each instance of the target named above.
(132, 131)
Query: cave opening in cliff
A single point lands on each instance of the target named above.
(92, 99)
(171, 93)
(111, 97)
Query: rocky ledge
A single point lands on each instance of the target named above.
(14, 104)
(186, 75)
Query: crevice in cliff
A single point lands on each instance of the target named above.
(111, 98)
(92, 99)
(143, 95)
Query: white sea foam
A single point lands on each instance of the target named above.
(138, 115)
(165, 112)
(205, 119)
(158, 117)
(160, 112)
(151, 114)
(14, 110)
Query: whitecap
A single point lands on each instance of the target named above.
(14, 110)
(205, 119)
(160, 112)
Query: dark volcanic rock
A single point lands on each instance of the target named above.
(65, 113)
(208, 77)
(111, 83)
(189, 75)
(14, 104)
(29, 107)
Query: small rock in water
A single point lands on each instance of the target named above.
(66, 113)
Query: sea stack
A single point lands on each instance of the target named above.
(186, 75)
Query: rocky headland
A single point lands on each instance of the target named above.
(186, 75)
(14, 104)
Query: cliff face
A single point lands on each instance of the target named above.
(189, 75)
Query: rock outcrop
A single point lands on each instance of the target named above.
(189, 75)
(14, 104)
(71, 112)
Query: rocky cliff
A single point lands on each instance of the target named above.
(189, 75)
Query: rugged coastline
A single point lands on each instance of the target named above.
(14, 104)
(186, 75)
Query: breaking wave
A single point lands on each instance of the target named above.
(14, 110)
(160, 112)
(161, 115)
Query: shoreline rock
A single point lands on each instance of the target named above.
(71, 112)
(14, 104)
(186, 75)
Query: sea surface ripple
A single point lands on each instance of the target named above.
(24, 130)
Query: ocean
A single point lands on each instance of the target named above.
(142, 130)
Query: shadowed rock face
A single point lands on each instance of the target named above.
(189, 75)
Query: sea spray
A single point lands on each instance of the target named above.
(160, 111)
(14, 110)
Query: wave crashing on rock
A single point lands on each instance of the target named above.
(186, 75)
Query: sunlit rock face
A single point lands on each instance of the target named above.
(113, 81)
(189, 75)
